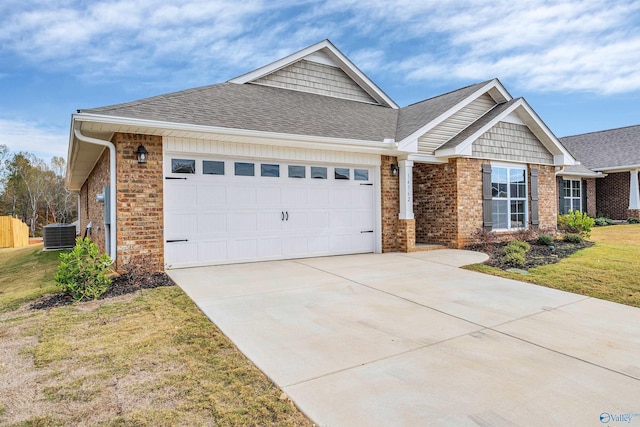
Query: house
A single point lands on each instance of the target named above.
(308, 157)
(615, 155)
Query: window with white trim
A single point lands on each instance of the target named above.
(572, 195)
(509, 197)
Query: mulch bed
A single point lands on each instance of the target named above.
(536, 256)
(123, 284)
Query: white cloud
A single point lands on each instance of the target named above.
(565, 45)
(42, 140)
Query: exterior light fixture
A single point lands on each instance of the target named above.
(142, 154)
(394, 169)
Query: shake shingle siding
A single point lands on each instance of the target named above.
(511, 142)
(316, 78)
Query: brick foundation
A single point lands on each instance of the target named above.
(406, 235)
(633, 213)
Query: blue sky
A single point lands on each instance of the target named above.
(576, 62)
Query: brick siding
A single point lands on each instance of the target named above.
(390, 192)
(92, 211)
(612, 195)
(591, 196)
(448, 201)
(140, 222)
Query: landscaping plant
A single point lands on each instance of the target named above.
(514, 253)
(84, 272)
(576, 222)
(633, 220)
(545, 239)
(602, 221)
(572, 238)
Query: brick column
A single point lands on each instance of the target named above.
(406, 235)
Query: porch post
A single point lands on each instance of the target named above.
(406, 189)
(634, 193)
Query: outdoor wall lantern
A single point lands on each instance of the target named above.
(394, 169)
(142, 154)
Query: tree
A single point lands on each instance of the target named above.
(34, 190)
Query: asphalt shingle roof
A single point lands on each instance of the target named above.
(262, 108)
(414, 116)
(606, 149)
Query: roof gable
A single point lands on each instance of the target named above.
(417, 119)
(518, 111)
(321, 69)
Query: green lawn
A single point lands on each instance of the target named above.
(150, 358)
(608, 270)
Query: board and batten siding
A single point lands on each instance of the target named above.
(259, 151)
(452, 126)
(321, 79)
(513, 142)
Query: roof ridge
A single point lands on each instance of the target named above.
(450, 92)
(600, 131)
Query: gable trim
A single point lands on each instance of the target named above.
(494, 88)
(560, 154)
(335, 55)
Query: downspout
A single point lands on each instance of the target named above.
(111, 235)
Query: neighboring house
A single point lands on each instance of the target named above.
(308, 157)
(615, 155)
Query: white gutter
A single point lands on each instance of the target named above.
(331, 143)
(111, 236)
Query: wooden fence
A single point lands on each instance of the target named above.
(13, 233)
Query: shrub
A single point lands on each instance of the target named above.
(545, 239)
(515, 259)
(633, 220)
(525, 234)
(484, 237)
(519, 244)
(576, 222)
(83, 272)
(602, 221)
(573, 238)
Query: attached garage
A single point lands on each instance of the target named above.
(221, 210)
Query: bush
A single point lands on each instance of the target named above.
(484, 237)
(633, 220)
(576, 222)
(515, 259)
(573, 238)
(519, 244)
(602, 221)
(545, 239)
(84, 272)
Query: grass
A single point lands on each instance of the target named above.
(25, 274)
(608, 270)
(150, 358)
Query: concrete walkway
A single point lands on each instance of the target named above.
(410, 339)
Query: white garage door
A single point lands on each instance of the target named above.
(221, 211)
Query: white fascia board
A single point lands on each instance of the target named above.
(560, 154)
(612, 169)
(423, 158)
(253, 136)
(562, 172)
(493, 84)
(345, 64)
(408, 145)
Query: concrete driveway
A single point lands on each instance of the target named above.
(410, 339)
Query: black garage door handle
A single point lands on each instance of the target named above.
(177, 240)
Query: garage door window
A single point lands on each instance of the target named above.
(272, 171)
(297, 171)
(361, 175)
(318, 172)
(342, 173)
(244, 169)
(183, 166)
(212, 167)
